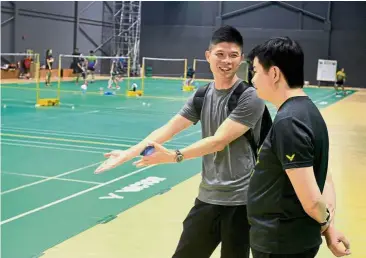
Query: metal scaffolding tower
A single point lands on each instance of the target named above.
(127, 31)
(123, 36)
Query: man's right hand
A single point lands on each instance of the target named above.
(115, 158)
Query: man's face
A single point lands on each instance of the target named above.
(262, 81)
(224, 59)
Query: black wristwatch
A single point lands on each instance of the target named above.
(327, 219)
(179, 156)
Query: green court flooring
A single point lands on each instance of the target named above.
(49, 192)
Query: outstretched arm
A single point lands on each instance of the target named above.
(245, 116)
(227, 132)
(115, 158)
(177, 124)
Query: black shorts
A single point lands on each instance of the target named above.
(307, 254)
(340, 82)
(207, 225)
(77, 70)
(116, 75)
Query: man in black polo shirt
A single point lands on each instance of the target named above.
(289, 189)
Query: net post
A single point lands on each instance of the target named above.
(143, 75)
(185, 70)
(37, 75)
(128, 74)
(59, 78)
(194, 68)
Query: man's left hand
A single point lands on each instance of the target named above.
(337, 243)
(161, 155)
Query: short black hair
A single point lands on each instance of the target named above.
(91, 51)
(227, 34)
(284, 53)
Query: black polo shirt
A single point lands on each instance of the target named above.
(298, 138)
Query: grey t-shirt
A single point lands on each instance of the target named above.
(226, 174)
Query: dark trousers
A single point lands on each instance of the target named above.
(207, 225)
(311, 253)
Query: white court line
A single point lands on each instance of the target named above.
(46, 147)
(50, 178)
(323, 98)
(67, 115)
(92, 112)
(74, 114)
(46, 177)
(21, 105)
(81, 135)
(177, 100)
(95, 106)
(57, 144)
(68, 133)
(24, 101)
(186, 135)
(147, 113)
(75, 136)
(72, 196)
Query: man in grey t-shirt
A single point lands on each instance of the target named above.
(225, 174)
(219, 213)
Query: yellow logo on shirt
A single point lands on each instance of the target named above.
(290, 158)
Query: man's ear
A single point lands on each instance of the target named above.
(276, 74)
(207, 55)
